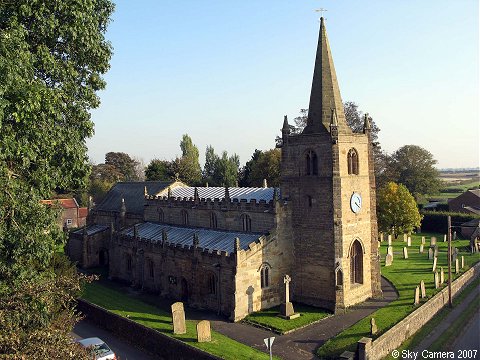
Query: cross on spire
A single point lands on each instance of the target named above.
(321, 11)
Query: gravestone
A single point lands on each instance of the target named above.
(405, 253)
(178, 317)
(436, 280)
(373, 326)
(422, 289)
(416, 301)
(430, 253)
(389, 239)
(405, 237)
(381, 237)
(454, 235)
(457, 270)
(455, 254)
(388, 260)
(434, 267)
(435, 251)
(409, 241)
(204, 333)
(433, 241)
(442, 276)
(463, 261)
(421, 249)
(390, 250)
(423, 240)
(286, 309)
(379, 244)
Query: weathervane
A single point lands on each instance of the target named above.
(321, 11)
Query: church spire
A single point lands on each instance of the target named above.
(325, 96)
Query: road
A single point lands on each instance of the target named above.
(470, 340)
(122, 349)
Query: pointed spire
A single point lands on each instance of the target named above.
(285, 127)
(325, 96)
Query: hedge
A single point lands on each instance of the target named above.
(436, 221)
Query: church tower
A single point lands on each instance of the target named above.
(328, 184)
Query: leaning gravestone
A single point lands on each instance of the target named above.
(388, 260)
(203, 331)
(444, 238)
(178, 317)
(436, 280)
(409, 241)
(433, 241)
(430, 253)
(421, 249)
(423, 240)
(373, 326)
(422, 289)
(442, 276)
(405, 253)
(416, 301)
(434, 267)
(435, 251)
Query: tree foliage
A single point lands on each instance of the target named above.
(263, 165)
(220, 170)
(52, 57)
(397, 210)
(124, 164)
(159, 170)
(188, 166)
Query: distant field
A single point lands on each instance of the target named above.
(459, 178)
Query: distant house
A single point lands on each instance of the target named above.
(468, 228)
(72, 215)
(468, 202)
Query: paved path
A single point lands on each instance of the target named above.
(120, 347)
(302, 343)
(449, 319)
(470, 339)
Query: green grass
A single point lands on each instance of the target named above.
(153, 317)
(412, 342)
(269, 318)
(405, 275)
(462, 187)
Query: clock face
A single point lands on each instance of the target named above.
(356, 202)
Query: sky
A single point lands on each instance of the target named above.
(226, 72)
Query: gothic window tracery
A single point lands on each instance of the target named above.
(311, 163)
(265, 276)
(246, 223)
(352, 159)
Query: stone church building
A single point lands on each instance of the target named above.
(228, 249)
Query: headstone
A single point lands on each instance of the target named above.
(455, 254)
(457, 270)
(436, 280)
(379, 244)
(373, 326)
(433, 241)
(416, 301)
(444, 238)
(454, 235)
(286, 308)
(434, 267)
(405, 253)
(178, 317)
(203, 331)
(405, 236)
(389, 239)
(409, 241)
(423, 240)
(463, 262)
(422, 289)
(430, 253)
(381, 237)
(421, 249)
(388, 260)
(390, 250)
(435, 251)
(442, 276)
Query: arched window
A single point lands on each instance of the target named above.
(265, 276)
(311, 163)
(184, 216)
(150, 268)
(213, 220)
(356, 263)
(246, 223)
(160, 215)
(339, 277)
(352, 160)
(212, 283)
(128, 261)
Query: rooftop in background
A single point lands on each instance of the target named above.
(70, 203)
(92, 229)
(208, 239)
(240, 193)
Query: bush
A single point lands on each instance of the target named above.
(436, 221)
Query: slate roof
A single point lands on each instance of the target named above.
(133, 193)
(247, 193)
(92, 229)
(208, 239)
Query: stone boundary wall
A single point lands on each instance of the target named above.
(160, 345)
(394, 337)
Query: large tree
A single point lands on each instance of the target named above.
(52, 57)
(188, 166)
(397, 210)
(126, 165)
(413, 166)
(159, 170)
(264, 165)
(220, 170)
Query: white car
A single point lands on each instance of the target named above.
(98, 348)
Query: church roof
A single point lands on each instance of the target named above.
(207, 238)
(133, 193)
(92, 229)
(240, 193)
(326, 105)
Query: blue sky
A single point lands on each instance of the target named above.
(226, 72)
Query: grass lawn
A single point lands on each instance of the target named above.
(153, 317)
(405, 275)
(269, 318)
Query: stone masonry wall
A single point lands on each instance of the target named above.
(393, 338)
